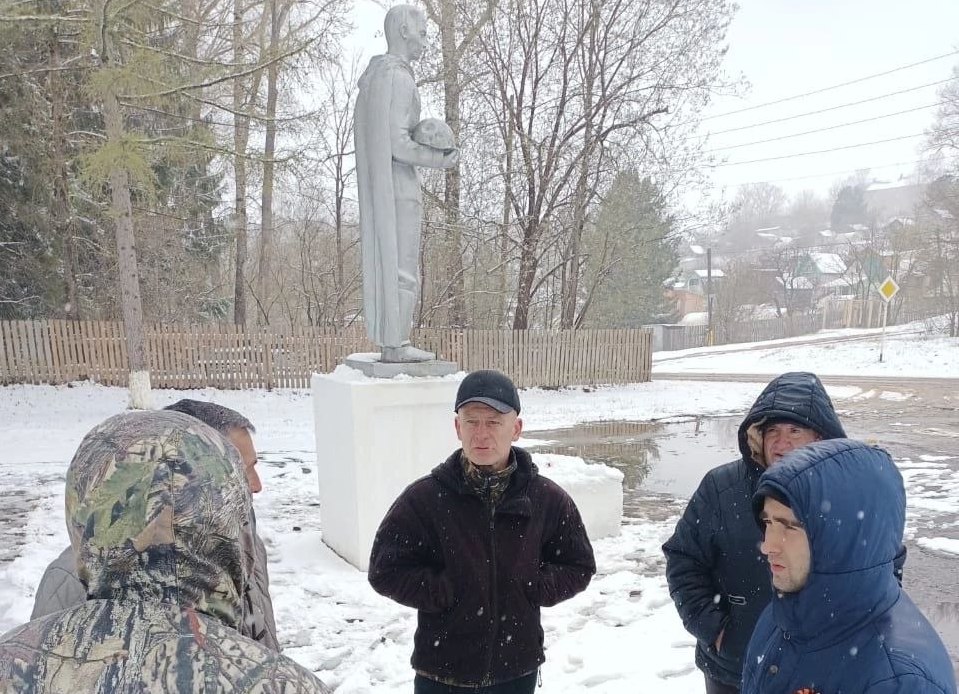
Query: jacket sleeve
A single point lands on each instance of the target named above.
(690, 558)
(264, 624)
(59, 588)
(405, 565)
(566, 559)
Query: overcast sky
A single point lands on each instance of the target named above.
(789, 47)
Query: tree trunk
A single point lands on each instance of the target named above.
(130, 302)
(503, 274)
(62, 217)
(527, 273)
(451, 194)
(265, 274)
(571, 272)
(241, 136)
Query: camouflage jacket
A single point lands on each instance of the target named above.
(60, 588)
(158, 514)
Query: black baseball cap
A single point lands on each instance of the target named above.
(490, 388)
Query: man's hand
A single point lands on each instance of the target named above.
(719, 640)
(450, 159)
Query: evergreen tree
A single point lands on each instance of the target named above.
(631, 253)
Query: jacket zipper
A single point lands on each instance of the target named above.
(494, 600)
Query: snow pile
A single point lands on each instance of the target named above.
(597, 490)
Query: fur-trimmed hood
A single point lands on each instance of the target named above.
(797, 396)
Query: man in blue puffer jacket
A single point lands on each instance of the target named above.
(716, 575)
(833, 515)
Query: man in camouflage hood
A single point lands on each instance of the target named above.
(157, 511)
(60, 587)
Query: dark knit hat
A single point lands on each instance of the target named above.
(490, 388)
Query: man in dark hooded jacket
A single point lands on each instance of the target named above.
(158, 516)
(833, 515)
(60, 587)
(716, 575)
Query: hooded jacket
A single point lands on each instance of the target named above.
(477, 573)
(60, 588)
(850, 629)
(717, 577)
(158, 516)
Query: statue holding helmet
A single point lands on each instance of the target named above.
(391, 142)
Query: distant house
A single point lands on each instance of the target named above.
(768, 237)
(687, 290)
(842, 237)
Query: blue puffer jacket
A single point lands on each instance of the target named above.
(851, 629)
(717, 576)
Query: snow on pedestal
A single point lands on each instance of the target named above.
(374, 436)
(596, 489)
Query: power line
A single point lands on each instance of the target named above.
(835, 86)
(829, 173)
(821, 151)
(819, 130)
(833, 108)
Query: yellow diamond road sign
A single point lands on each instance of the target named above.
(888, 289)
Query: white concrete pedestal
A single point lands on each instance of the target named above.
(373, 437)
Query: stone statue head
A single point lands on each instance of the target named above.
(405, 30)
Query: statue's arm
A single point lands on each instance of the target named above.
(404, 148)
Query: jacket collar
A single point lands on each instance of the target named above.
(515, 500)
(832, 607)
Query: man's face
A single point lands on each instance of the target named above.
(415, 35)
(241, 438)
(486, 434)
(786, 547)
(782, 437)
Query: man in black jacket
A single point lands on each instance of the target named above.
(477, 547)
(716, 574)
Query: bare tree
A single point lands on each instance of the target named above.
(757, 205)
(943, 136)
(577, 82)
(942, 214)
(459, 25)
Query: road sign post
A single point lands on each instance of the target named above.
(887, 290)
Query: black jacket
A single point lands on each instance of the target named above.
(717, 576)
(478, 575)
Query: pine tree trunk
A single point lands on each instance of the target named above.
(61, 187)
(130, 302)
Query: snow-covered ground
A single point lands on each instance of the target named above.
(907, 350)
(621, 635)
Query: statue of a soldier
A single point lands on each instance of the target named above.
(389, 147)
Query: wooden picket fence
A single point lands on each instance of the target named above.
(224, 356)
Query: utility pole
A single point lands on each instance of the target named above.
(709, 297)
